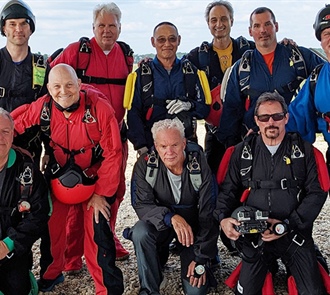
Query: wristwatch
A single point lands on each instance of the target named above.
(280, 228)
(199, 270)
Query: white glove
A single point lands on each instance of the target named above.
(141, 151)
(176, 106)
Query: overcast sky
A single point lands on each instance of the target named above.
(62, 22)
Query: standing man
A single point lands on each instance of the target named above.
(104, 63)
(215, 58)
(280, 176)
(310, 110)
(165, 87)
(25, 209)
(173, 195)
(22, 73)
(269, 67)
(84, 171)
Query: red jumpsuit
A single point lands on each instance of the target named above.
(73, 134)
(112, 65)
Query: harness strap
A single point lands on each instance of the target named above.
(297, 241)
(272, 184)
(99, 80)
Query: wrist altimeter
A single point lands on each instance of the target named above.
(280, 228)
(199, 270)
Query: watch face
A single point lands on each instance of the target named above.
(200, 269)
(279, 229)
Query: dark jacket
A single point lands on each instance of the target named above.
(157, 205)
(300, 205)
(167, 86)
(16, 89)
(234, 115)
(16, 230)
(210, 61)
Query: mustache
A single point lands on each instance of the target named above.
(271, 127)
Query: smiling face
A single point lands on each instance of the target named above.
(63, 85)
(263, 29)
(220, 22)
(166, 40)
(106, 30)
(170, 146)
(17, 31)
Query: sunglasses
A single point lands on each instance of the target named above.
(171, 39)
(275, 117)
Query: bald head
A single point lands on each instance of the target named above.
(62, 68)
(64, 85)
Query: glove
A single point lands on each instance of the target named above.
(176, 106)
(142, 151)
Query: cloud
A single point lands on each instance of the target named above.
(61, 22)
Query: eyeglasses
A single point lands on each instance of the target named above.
(171, 39)
(275, 117)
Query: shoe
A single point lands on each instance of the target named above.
(48, 285)
(122, 258)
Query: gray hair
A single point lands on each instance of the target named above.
(7, 115)
(167, 124)
(219, 3)
(270, 96)
(109, 8)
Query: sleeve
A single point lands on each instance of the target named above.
(135, 118)
(231, 189)
(311, 204)
(143, 198)
(35, 222)
(207, 235)
(229, 132)
(110, 142)
(27, 115)
(302, 114)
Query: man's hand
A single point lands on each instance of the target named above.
(182, 230)
(3, 250)
(268, 235)
(177, 106)
(228, 227)
(99, 204)
(44, 162)
(195, 282)
(287, 41)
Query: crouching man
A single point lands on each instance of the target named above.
(173, 194)
(282, 180)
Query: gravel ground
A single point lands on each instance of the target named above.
(83, 284)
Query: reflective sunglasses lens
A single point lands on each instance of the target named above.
(275, 117)
(278, 117)
(263, 118)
